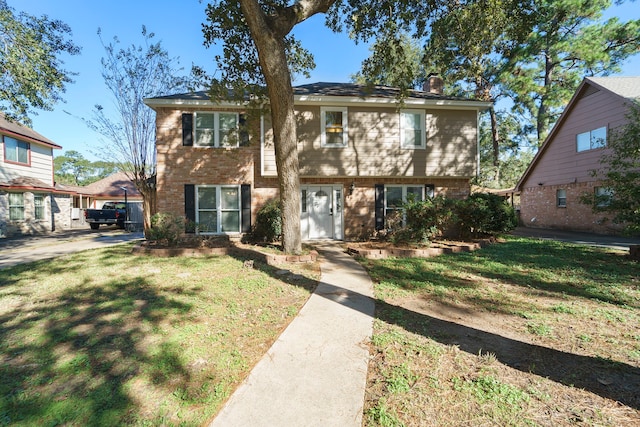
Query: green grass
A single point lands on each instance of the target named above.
(107, 338)
(486, 338)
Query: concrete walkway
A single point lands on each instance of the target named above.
(315, 373)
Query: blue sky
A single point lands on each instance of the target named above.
(177, 24)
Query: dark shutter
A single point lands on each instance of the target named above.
(245, 201)
(243, 131)
(187, 129)
(379, 205)
(190, 207)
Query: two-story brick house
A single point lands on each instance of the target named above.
(561, 172)
(27, 201)
(361, 154)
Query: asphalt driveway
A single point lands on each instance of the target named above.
(590, 239)
(20, 250)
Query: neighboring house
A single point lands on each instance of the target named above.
(561, 172)
(361, 154)
(29, 201)
(93, 196)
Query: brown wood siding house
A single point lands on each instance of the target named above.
(561, 172)
(360, 153)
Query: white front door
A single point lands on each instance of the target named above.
(321, 212)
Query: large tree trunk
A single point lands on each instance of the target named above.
(273, 60)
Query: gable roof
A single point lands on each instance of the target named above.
(626, 88)
(111, 186)
(323, 92)
(21, 131)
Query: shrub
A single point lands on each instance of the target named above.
(484, 214)
(268, 227)
(165, 228)
(422, 221)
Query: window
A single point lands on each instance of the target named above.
(16, 206)
(334, 127)
(218, 209)
(604, 195)
(216, 129)
(591, 140)
(395, 196)
(412, 129)
(38, 202)
(16, 151)
(561, 198)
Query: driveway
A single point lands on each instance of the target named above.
(25, 249)
(600, 240)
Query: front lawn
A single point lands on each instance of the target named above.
(521, 333)
(107, 338)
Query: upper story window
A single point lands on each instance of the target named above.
(216, 129)
(16, 151)
(591, 140)
(412, 129)
(334, 127)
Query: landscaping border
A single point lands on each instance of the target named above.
(271, 259)
(436, 249)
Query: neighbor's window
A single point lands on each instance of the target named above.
(396, 195)
(218, 209)
(216, 129)
(38, 202)
(412, 129)
(16, 206)
(334, 127)
(604, 195)
(16, 151)
(561, 198)
(591, 140)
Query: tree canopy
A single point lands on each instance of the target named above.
(31, 51)
(72, 168)
(527, 56)
(132, 74)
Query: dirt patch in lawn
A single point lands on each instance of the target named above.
(457, 341)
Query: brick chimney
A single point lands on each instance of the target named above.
(434, 84)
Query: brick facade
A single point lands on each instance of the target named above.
(539, 209)
(179, 166)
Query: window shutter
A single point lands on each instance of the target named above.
(187, 129)
(190, 206)
(245, 204)
(243, 131)
(379, 207)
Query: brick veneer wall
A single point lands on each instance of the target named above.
(178, 165)
(538, 209)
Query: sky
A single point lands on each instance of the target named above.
(178, 26)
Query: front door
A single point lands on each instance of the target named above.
(321, 212)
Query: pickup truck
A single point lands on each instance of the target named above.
(111, 213)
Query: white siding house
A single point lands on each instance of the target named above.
(27, 190)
